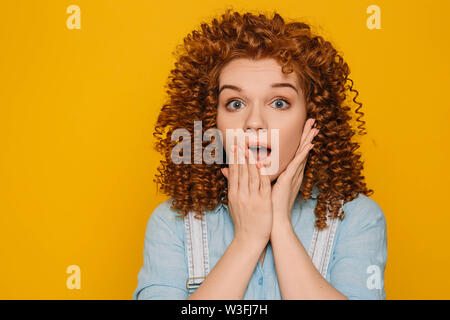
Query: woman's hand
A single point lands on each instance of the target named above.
(249, 200)
(285, 190)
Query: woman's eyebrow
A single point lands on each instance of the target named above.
(284, 84)
(274, 85)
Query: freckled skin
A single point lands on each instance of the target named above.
(259, 106)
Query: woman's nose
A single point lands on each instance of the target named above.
(255, 120)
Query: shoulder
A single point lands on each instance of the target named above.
(360, 251)
(362, 213)
(165, 222)
(362, 233)
(164, 213)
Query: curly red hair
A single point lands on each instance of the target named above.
(333, 165)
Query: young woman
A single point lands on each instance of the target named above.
(251, 73)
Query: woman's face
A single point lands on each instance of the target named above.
(256, 96)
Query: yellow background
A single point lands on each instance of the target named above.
(77, 110)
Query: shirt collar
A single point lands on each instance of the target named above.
(221, 205)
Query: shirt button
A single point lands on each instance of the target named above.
(260, 281)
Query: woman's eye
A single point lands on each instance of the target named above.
(278, 104)
(238, 104)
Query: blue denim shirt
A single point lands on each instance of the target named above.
(356, 266)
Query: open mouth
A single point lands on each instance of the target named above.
(260, 152)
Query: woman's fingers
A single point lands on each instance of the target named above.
(299, 161)
(225, 172)
(297, 164)
(243, 171)
(253, 172)
(310, 137)
(307, 146)
(245, 168)
(307, 135)
(265, 186)
(233, 171)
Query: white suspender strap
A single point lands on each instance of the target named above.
(198, 253)
(196, 250)
(322, 245)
